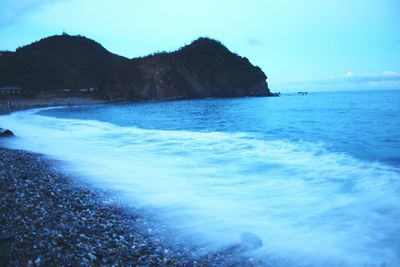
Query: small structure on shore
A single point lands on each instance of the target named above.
(10, 90)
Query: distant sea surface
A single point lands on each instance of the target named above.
(317, 177)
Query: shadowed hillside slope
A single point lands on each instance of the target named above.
(204, 68)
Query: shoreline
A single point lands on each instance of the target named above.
(24, 104)
(50, 219)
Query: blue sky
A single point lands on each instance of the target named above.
(301, 45)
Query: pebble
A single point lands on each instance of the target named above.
(92, 257)
(38, 261)
(69, 224)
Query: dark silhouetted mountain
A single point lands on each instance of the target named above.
(58, 62)
(204, 68)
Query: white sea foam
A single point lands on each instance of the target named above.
(310, 206)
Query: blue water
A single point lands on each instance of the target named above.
(363, 124)
(317, 177)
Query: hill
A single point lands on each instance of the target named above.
(204, 68)
(56, 63)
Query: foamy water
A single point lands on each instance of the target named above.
(310, 204)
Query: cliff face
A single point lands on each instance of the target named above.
(204, 68)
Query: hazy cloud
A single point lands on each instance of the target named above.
(350, 77)
(12, 10)
(351, 80)
(255, 42)
(371, 77)
(347, 74)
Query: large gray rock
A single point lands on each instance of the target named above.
(5, 133)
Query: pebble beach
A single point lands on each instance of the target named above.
(50, 219)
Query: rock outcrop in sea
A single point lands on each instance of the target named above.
(64, 65)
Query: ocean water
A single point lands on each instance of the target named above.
(317, 177)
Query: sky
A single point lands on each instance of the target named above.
(308, 45)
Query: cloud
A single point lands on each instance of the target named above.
(350, 77)
(348, 74)
(371, 77)
(12, 11)
(255, 42)
(351, 80)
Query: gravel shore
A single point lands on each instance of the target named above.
(12, 105)
(50, 219)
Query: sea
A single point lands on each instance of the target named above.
(316, 177)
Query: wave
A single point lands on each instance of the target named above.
(310, 206)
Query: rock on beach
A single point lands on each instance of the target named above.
(5, 132)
